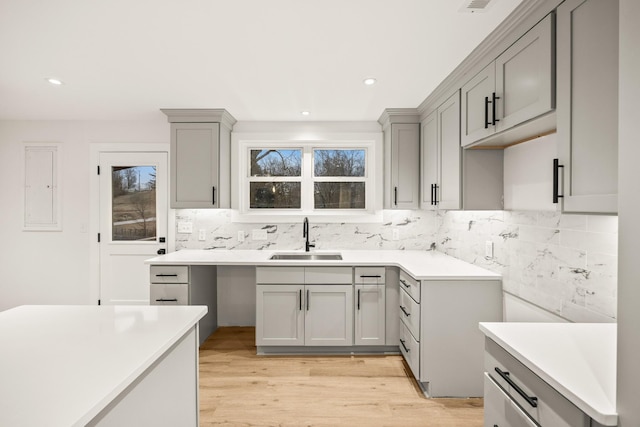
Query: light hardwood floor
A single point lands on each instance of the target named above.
(238, 388)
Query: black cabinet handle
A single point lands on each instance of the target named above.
(161, 251)
(404, 346)
(300, 305)
(404, 310)
(556, 180)
(166, 275)
(493, 107)
(432, 185)
(373, 276)
(358, 299)
(167, 300)
(307, 299)
(531, 400)
(486, 112)
(213, 195)
(435, 194)
(405, 284)
(395, 196)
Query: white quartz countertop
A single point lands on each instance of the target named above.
(577, 359)
(61, 365)
(420, 264)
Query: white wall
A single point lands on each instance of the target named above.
(629, 206)
(53, 267)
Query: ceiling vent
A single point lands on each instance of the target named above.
(476, 6)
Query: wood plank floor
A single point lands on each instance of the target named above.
(238, 388)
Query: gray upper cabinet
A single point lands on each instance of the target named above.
(515, 88)
(401, 158)
(440, 156)
(587, 41)
(200, 175)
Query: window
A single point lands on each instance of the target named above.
(281, 179)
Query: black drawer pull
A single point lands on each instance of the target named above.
(556, 180)
(531, 400)
(405, 284)
(404, 346)
(404, 310)
(166, 275)
(167, 300)
(373, 276)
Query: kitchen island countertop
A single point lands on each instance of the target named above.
(62, 365)
(422, 265)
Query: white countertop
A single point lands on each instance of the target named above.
(61, 365)
(577, 359)
(420, 264)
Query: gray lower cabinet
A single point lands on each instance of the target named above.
(587, 112)
(369, 306)
(200, 168)
(293, 305)
(401, 158)
(515, 88)
(515, 396)
(187, 285)
(439, 336)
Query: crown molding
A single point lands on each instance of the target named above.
(199, 115)
(399, 115)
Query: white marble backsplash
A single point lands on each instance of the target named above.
(566, 264)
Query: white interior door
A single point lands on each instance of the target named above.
(133, 222)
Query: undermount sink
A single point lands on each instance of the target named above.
(307, 256)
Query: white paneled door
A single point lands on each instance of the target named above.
(133, 222)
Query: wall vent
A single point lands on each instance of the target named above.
(475, 6)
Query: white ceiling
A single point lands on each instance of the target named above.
(259, 59)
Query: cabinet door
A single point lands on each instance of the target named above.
(524, 77)
(405, 166)
(429, 165)
(448, 190)
(328, 315)
(369, 306)
(587, 61)
(500, 410)
(195, 149)
(279, 315)
(476, 112)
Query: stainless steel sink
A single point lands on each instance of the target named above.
(308, 257)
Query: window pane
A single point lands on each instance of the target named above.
(339, 162)
(275, 195)
(339, 195)
(276, 162)
(134, 202)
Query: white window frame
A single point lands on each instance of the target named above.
(369, 141)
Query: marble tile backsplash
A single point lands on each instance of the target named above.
(566, 264)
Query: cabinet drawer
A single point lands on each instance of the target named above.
(280, 275)
(328, 275)
(369, 275)
(499, 409)
(410, 285)
(552, 408)
(410, 349)
(410, 314)
(169, 274)
(169, 294)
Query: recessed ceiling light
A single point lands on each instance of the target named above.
(369, 81)
(54, 81)
(305, 113)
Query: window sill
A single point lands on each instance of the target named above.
(297, 216)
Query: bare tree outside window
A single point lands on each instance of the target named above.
(133, 203)
(278, 164)
(343, 194)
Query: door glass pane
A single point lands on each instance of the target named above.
(339, 195)
(275, 195)
(338, 162)
(133, 202)
(276, 162)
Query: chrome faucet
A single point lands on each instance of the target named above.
(305, 234)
